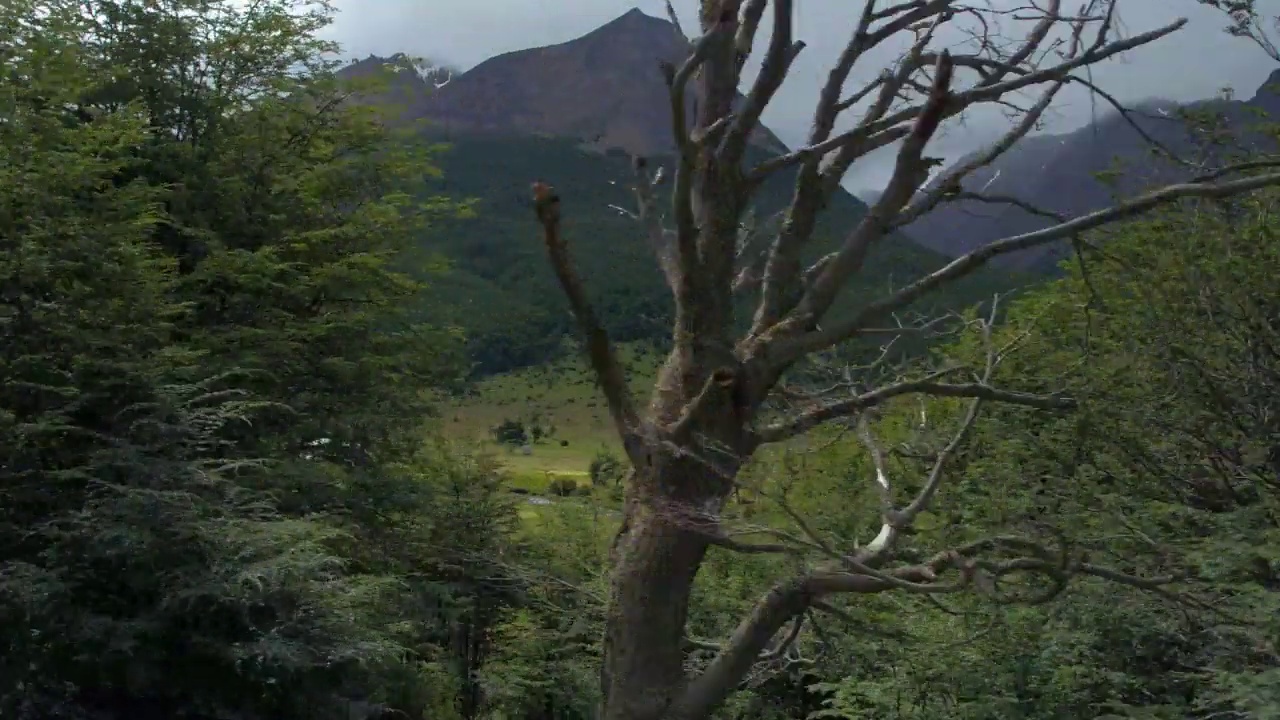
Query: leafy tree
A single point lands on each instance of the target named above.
(290, 255)
(510, 432)
(142, 570)
(212, 386)
(545, 659)
(1172, 455)
(715, 402)
(1163, 338)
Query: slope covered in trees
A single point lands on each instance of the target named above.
(504, 296)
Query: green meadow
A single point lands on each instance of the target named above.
(563, 399)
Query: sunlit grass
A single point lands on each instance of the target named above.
(563, 396)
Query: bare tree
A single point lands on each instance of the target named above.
(709, 409)
(1247, 22)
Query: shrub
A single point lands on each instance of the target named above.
(562, 486)
(606, 467)
(510, 432)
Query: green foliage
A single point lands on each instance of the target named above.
(213, 497)
(606, 468)
(1168, 340)
(562, 486)
(224, 327)
(545, 661)
(540, 664)
(510, 432)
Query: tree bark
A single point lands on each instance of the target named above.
(655, 564)
(673, 505)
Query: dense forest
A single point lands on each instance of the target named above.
(226, 491)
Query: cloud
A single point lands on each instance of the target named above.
(1195, 63)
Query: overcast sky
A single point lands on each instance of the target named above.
(1194, 63)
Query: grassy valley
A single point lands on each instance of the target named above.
(562, 397)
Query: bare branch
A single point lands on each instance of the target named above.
(767, 655)
(857, 137)
(852, 406)
(744, 41)
(840, 331)
(794, 597)
(894, 520)
(907, 218)
(910, 171)
(950, 183)
(683, 184)
(1247, 22)
(677, 85)
(608, 370)
(777, 62)
(675, 20)
(661, 240)
(782, 269)
(751, 256)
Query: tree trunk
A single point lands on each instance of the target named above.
(654, 569)
(673, 504)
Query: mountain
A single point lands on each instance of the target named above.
(604, 88)
(572, 115)
(1060, 173)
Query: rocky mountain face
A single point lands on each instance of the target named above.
(603, 88)
(1060, 173)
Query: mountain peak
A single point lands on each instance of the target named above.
(634, 20)
(636, 28)
(1267, 97)
(633, 15)
(604, 88)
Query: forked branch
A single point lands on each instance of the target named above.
(604, 362)
(974, 565)
(660, 238)
(929, 386)
(918, 83)
(782, 51)
(894, 519)
(910, 170)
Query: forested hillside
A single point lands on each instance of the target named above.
(504, 296)
(240, 318)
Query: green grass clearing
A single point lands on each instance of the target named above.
(563, 397)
